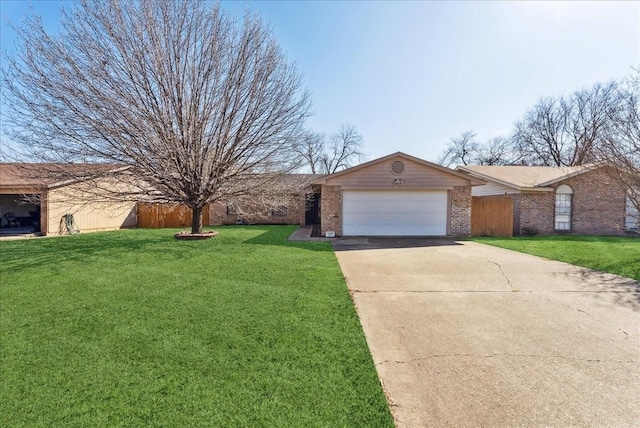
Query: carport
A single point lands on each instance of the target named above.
(35, 201)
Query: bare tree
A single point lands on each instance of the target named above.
(540, 135)
(466, 150)
(311, 149)
(498, 151)
(462, 150)
(566, 131)
(195, 105)
(622, 148)
(343, 150)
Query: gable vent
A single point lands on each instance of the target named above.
(397, 167)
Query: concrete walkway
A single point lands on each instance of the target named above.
(465, 334)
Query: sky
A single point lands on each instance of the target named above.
(412, 75)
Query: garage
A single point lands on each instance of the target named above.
(394, 213)
(396, 195)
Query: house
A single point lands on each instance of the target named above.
(396, 195)
(583, 199)
(290, 200)
(43, 204)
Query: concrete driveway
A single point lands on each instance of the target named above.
(465, 334)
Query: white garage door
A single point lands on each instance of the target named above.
(384, 213)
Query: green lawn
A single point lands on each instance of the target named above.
(134, 328)
(619, 255)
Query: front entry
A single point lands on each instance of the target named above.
(312, 209)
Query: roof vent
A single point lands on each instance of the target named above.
(397, 167)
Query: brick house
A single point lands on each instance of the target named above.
(396, 195)
(580, 199)
(295, 205)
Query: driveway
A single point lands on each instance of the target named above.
(465, 334)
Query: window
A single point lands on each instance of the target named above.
(632, 215)
(279, 212)
(563, 208)
(231, 210)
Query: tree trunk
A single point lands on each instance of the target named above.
(196, 220)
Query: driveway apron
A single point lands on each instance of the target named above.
(465, 334)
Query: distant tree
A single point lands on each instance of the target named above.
(311, 149)
(569, 130)
(341, 151)
(499, 151)
(465, 150)
(462, 150)
(199, 106)
(344, 150)
(621, 150)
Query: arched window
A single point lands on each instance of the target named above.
(563, 208)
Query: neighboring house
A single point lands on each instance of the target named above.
(580, 199)
(40, 204)
(396, 195)
(293, 203)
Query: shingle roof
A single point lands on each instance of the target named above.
(525, 176)
(15, 175)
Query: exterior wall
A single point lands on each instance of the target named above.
(90, 212)
(331, 210)
(537, 213)
(598, 206)
(516, 213)
(492, 189)
(259, 215)
(415, 176)
(460, 215)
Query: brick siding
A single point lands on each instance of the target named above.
(461, 211)
(331, 210)
(537, 213)
(598, 203)
(598, 206)
(295, 214)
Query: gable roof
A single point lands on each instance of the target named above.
(526, 177)
(473, 180)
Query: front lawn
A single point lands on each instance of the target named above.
(134, 328)
(619, 255)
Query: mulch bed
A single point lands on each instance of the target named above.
(188, 236)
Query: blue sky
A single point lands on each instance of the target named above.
(412, 75)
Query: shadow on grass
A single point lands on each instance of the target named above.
(40, 252)
(278, 235)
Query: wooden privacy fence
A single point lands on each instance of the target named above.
(157, 216)
(492, 216)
